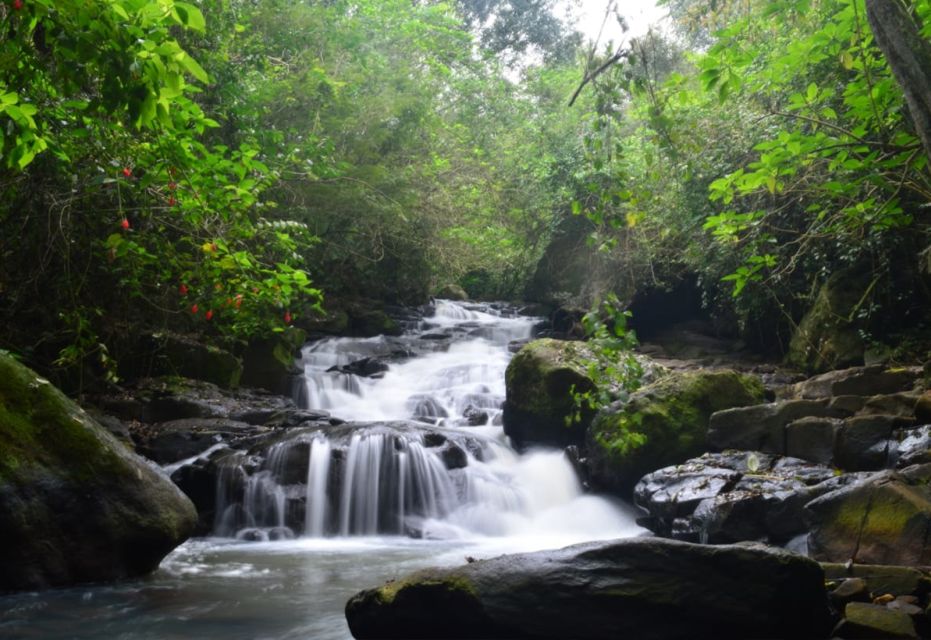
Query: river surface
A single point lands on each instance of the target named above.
(451, 377)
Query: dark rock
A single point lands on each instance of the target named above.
(717, 498)
(813, 439)
(75, 504)
(849, 590)
(901, 405)
(169, 354)
(848, 405)
(475, 416)
(270, 363)
(643, 588)
(670, 416)
(365, 367)
(864, 442)
(882, 519)
(454, 457)
(862, 620)
(176, 440)
(882, 578)
(762, 427)
(539, 402)
(910, 446)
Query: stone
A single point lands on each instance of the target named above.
(901, 405)
(732, 496)
(910, 446)
(863, 620)
(858, 381)
(849, 590)
(539, 380)
(452, 292)
(863, 443)
(813, 439)
(882, 519)
(75, 504)
(896, 580)
(670, 416)
(170, 354)
(168, 442)
(649, 589)
(762, 427)
(270, 363)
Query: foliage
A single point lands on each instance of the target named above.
(613, 368)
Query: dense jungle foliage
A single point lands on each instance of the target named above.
(222, 167)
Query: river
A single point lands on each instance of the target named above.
(445, 381)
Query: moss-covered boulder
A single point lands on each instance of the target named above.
(171, 354)
(884, 519)
(75, 504)
(644, 588)
(452, 292)
(539, 381)
(269, 363)
(828, 337)
(662, 424)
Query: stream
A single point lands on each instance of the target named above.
(421, 475)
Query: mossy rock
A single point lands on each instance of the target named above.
(170, 354)
(662, 424)
(452, 292)
(372, 322)
(269, 363)
(825, 339)
(75, 504)
(882, 520)
(539, 380)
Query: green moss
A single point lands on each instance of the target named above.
(450, 583)
(541, 374)
(883, 516)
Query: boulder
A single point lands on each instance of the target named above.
(732, 496)
(762, 427)
(899, 581)
(825, 338)
(452, 292)
(170, 354)
(883, 519)
(864, 620)
(858, 381)
(643, 588)
(663, 423)
(269, 363)
(813, 439)
(539, 405)
(910, 446)
(75, 504)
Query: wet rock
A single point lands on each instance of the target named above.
(454, 457)
(75, 504)
(176, 440)
(539, 402)
(643, 588)
(474, 416)
(271, 363)
(910, 447)
(863, 443)
(882, 519)
(671, 416)
(732, 496)
(364, 367)
(863, 620)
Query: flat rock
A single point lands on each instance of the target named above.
(863, 620)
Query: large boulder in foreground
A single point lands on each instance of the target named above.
(663, 423)
(75, 504)
(642, 588)
(540, 379)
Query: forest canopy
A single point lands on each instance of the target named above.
(228, 168)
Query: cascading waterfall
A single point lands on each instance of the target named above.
(424, 455)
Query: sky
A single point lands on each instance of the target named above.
(640, 15)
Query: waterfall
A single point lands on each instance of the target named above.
(423, 455)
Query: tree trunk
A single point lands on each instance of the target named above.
(909, 56)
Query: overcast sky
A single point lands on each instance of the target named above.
(640, 15)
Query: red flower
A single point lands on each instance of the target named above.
(127, 171)
(171, 201)
(124, 224)
(182, 289)
(209, 314)
(194, 309)
(17, 5)
(172, 186)
(287, 317)
(238, 300)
